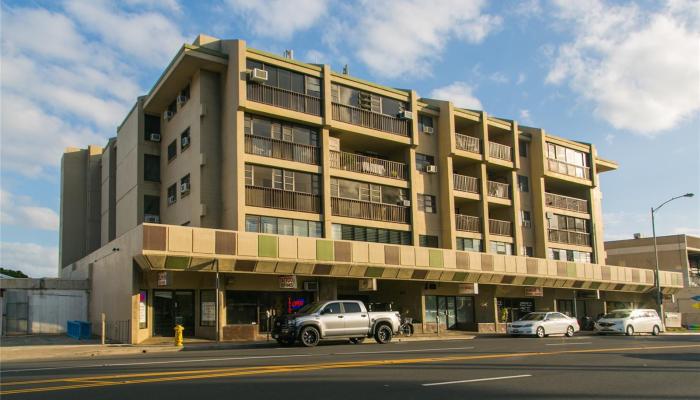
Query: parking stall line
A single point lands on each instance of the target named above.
(476, 380)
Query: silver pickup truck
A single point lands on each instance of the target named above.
(333, 320)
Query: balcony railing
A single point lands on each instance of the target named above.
(468, 143)
(566, 202)
(565, 168)
(367, 210)
(468, 223)
(569, 237)
(367, 165)
(498, 189)
(372, 120)
(283, 98)
(282, 150)
(500, 151)
(464, 183)
(282, 199)
(498, 227)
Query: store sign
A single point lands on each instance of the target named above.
(208, 311)
(588, 294)
(468, 288)
(368, 285)
(162, 279)
(288, 281)
(534, 291)
(672, 320)
(143, 316)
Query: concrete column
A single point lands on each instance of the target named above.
(446, 146)
(517, 224)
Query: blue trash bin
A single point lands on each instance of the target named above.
(79, 329)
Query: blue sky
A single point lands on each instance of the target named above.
(622, 75)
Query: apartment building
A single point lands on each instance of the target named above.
(246, 184)
(677, 253)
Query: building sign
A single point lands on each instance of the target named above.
(368, 285)
(143, 316)
(534, 292)
(672, 320)
(208, 311)
(468, 288)
(162, 279)
(294, 304)
(288, 281)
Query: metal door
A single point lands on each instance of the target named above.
(356, 321)
(332, 320)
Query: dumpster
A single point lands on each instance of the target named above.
(79, 329)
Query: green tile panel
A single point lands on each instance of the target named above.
(435, 258)
(267, 246)
(324, 250)
(175, 262)
(374, 272)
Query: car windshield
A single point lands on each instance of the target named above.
(617, 314)
(532, 317)
(310, 308)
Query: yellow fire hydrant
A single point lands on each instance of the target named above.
(178, 335)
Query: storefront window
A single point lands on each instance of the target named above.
(254, 307)
(456, 312)
(511, 309)
(207, 310)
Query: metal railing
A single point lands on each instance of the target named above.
(283, 98)
(498, 189)
(500, 151)
(467, 223)
(569, 237)
(566, 202)
(276, 148)
(369, 119)
(562, 167)
(498, 227)
(117, 331)
(468, 143)
(282, 199)
(367, 210)
(367, 165)
(464, 183)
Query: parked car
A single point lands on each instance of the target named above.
(335, 319)
(542, 324)
(629, 322)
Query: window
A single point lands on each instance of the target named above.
(528, 251)
(351, 308)
(172, 150)
(565, 223)
(151, 205)
(283, 226)
(577, 161)
(523, 183)
(279, 130)
(364, 234)
(172, 107)
(466, 244)
(185, 185)
(332, 308)
(207, 307)
(526, 219)
(172, 194)
(427, 241)
(366, 101)
(425, 121)
(426, 203)
(151, 168)
(569, 255)
(423, 160)
(185, 139)
(502, 248)
(259, 176)
(288, 80)
(366, 192)
(185, 92)
(151, 125)
(522, 146)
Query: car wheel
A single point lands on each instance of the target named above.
(629, 331)
(383, 334)
(309, 336)
(357, 340)
(570, 331)
(656, 330)
(540, 332)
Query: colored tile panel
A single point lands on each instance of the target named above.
(571, 270)
(324, 250)
(175, 262)
(343, 251)
(374, 272)
(225, 243)
(435, 259)
(154, 237)
(267, 246)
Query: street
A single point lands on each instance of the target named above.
(618, 367)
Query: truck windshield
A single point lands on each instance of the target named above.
(310, 308)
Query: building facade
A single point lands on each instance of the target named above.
(246, 184)
(677, 253)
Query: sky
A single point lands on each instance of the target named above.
(624, 75)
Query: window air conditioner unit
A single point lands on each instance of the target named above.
(184, 187)
(430, 286)
(311, 286)
(185, 141)
(168, 115)
(258, 75)
(405, 203)
(181, 99)
(154, 219)
(428, 129)
(549, 215)
(406, 115)
(171, 199)
(154, 137)
(431, 169)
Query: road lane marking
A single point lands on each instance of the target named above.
(405, 351)
(476, 380)
(567, 344)
(158, 377)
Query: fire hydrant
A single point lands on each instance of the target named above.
(178, 335)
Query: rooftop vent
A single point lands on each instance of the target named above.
(637, 235)
(346, 70)
(289, 53)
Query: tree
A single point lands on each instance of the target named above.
(13, 273)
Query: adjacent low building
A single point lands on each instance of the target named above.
(245, 185)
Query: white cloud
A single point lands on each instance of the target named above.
(35, 260)
(19, 210)
(279, 19)
(639, 68)
(609, 138)
(316, 57)
(460, 93)
(499, 77)
(525, 116)
(521, 79)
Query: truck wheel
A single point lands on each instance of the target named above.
(309, 336)
(357, 340)
(383, 334)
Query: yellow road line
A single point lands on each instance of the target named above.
(152, 377)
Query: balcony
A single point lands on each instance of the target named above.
(367, 210)
(464, 183)
(565, 168)
(498, 189)
(467, 223)
(569, 237)
(282, 199)
(500, 151)
(372, 120)
(566, 203)
(502, 228)
(367, 165)
(467, 143)
(283, 98)
(275, 148)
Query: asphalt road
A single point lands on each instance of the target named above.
(640, 367)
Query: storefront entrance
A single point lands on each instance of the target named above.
(456, 312)
(251, 308)
(510, 309)
(171, 307)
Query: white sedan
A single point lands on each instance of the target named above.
(542, 324)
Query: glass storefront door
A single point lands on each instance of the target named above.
(171, 307)
(253, 307)
(456, 312)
